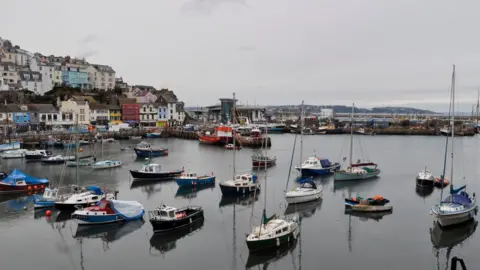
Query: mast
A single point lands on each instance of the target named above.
(76, 149)
(446, 139)
(233, 135)
(351, 135)
(301, 137)
(478, 105)
(453, 126)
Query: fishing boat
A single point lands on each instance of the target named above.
(307, 192)
(425, 178)
(375, 204)
(317, 166)
(260, 160)
(10, 154)
(90, 197)
(187, 179)
(154, 171)
(17, 182)
(58, 159)
(255, 132)
(106, 164)
(221, 136)
(9, 146)
(145, 150)
(168, 218)
(37, 154)
(459, 206)
(51, 195)
(242, 184)
(231, 146)
(276, 128)
(157, 134)
(360, 170)
(109, 211)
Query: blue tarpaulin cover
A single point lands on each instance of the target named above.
(95, 189)
(16, 175)
(325, 163)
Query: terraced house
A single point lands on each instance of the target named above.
(99, 114)
(115, 114)
(32, 80)
(101, 77)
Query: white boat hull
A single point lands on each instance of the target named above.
(454, 219)
(369, 208)
(293, 197)
(348, 176)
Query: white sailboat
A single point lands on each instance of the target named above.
(458, 207)
(356, 171)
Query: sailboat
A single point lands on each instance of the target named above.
(106, 164)
(458, 206)
(273, 231)
(307, 192)
(360, 170)
(314, 165)
(241, 184)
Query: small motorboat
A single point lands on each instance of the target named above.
(84, 142)
(51, 195)
(440, 183)
(125, 148)
(145, 150)
(167, 218)
(135, 138)
(154, 171)
(231, 146)
(425, 179)
(109, 211)
(17, 182)
(242, 184)
(308, 131)
(260, 161)
(37, 154)
(90, 197)
(154, 134)
(307, 192)
(106, 164)
(192, 179)
(317, 166)
(18, 153)
(375, 204)
(82, 162)
(59, 159)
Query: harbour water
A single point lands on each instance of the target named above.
(329, 239)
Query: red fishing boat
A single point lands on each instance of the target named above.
(17, 181)
(221, 136)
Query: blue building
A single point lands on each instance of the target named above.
(77, 79)
(19, 115)
(162, 115)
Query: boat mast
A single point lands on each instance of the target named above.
(233, 135)
(453, 126)
(446, 138)
(478, 105)
(76, 149)
(351, 134)
(301, 136)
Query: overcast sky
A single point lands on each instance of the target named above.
(375, 53)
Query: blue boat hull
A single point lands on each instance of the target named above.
(317, 172)
(94, 219)
(153, 135)
(276, 130)
(154, 153)
(37, 204)
(195, 182)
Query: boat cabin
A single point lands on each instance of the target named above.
(144, 145)
(244, 179)
(272, 229)
(317, 162)
(168, 213)
(50, 193)
(151, 168)
(189, 175)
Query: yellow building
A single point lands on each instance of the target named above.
(57, 77)
(115, 114)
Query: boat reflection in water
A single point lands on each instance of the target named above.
(164, 242)
(55, 217)
(266, 257)
(423, 191)
(365, 216)
(191, 192)
(304, 210)
(108, 232)
(245, 200)
(448, 238)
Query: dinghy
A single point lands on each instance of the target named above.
(375, 204)
(106, 164)
(109, 211)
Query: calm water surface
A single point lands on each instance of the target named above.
(330, 239)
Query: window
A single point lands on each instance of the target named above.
(50, 76)
(58, 78)
(171, 111)
(55, 117)
(18, 118)
(82, 117)
(40, 68)
(43, 117)
(49, 117)
(171, 117)
(82, 111)
(4, 74)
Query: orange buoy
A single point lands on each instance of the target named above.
(29, 187)
(48, 213)
(80, 150)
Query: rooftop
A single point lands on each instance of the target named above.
(97, 106)
(42, 108)
(104, 68)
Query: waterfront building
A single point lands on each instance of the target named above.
(101, 77)
(222, 113)
(47, 70)
(31, 80)
(99, 114)
(44, 115)
(175, 108)
(162, 115)
(148, 114)
(115, 115)
(71, 108)
(326, 113)
(130, 111)
(8, 74)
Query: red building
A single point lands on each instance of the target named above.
(130, 111)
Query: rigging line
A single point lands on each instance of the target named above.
(291, 161)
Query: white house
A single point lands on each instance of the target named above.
(99, 113)
(101, 77)
(31, 80)
(48, 72)
(148, 114)
(72, 108)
